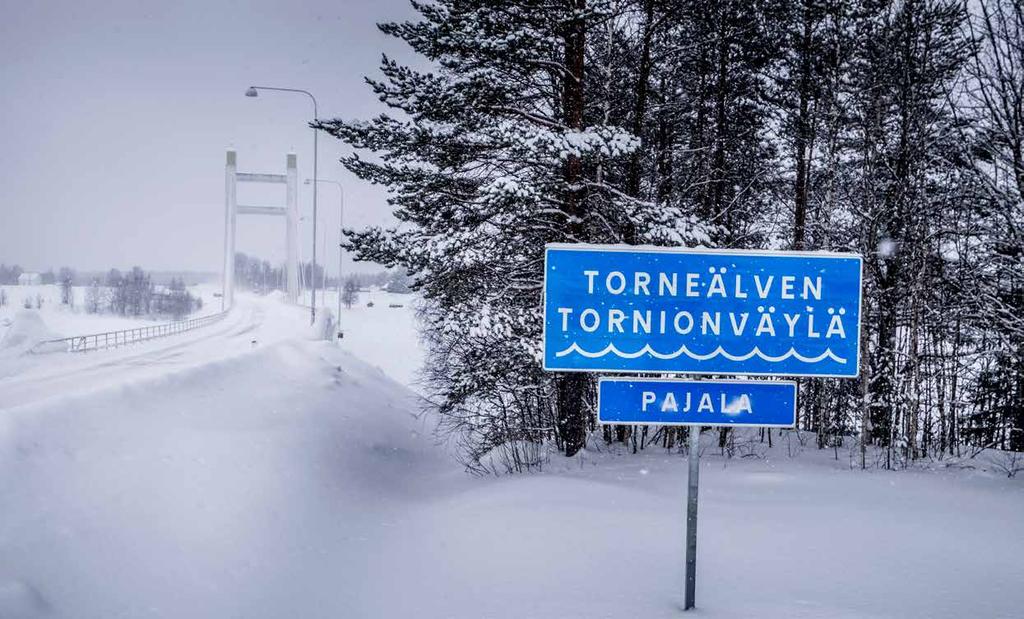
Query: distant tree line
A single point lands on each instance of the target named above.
(257, 274)
(891, 128)
(134, 294)
(9, 274)
(252, 273)
(126, 294)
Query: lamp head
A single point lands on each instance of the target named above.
(251, 92)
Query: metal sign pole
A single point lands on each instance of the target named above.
(691, 518)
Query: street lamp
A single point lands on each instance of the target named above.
(253, 91)
(341, 225)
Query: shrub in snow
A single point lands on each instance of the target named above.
(1008, 462)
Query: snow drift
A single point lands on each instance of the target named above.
(27, 330)
(252, 486)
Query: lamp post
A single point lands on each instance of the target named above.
(341, 226)
(253, 91)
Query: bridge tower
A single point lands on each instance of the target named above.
(232, 209)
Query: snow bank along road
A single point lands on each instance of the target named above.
(294, 480)
(30, 378)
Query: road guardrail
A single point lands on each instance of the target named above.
(125, 337)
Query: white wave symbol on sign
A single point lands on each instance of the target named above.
(683, 350)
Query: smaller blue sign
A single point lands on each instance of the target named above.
(667, 401)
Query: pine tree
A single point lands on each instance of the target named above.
(350, 292)
(94, 297)
(907, 60)
(498, 151)
(66, 279)
(996, 108)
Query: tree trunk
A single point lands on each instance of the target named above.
(802, 142)
(640, 108)
(718, 180)
(572, 422)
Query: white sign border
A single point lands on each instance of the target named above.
(688, 381)
(653, 249)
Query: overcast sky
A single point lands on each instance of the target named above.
(115, 117)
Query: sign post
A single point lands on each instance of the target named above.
(691, 519)
(625, 309)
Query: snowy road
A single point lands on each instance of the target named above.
(34, 378)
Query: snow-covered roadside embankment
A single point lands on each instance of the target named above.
(251, 486)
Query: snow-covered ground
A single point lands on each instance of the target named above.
(214, 477)
(383, 335)
(64, 321)
(61, 320)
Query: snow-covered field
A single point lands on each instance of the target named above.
(245, 470)
(64, 321)
(382, 335)
(60, 320)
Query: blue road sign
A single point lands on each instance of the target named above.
(617, 308)
(696, 402)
